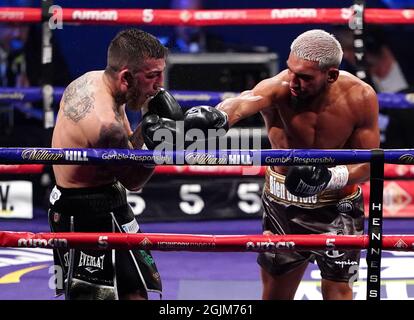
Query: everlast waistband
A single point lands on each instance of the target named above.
(275, 187)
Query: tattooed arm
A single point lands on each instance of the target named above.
(133, 177)
(94, 121)
(78, 98)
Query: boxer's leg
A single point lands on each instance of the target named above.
(282, 287)
(333, 290)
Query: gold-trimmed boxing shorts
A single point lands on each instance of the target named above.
(336, 212)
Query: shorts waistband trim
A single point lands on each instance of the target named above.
(275, 188)
(87, 190)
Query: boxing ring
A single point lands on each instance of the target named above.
(32, 160)
(374, 242)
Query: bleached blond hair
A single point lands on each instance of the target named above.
(319, 46)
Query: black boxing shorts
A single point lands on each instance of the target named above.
(99, 274)
(321, 214)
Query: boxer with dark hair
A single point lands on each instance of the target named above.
(310, 105)
(93, 198)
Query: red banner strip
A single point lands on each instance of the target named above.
(208, 17)
(21, 168)
(391, 171)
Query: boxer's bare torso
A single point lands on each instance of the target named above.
(330, 121)
(86, 109)
(303, 108)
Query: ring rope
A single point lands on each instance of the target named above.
(274, 157)
(200, 243)
(188, 98)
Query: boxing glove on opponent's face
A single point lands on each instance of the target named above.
(163, 112)
(164, 105)
(306, 181)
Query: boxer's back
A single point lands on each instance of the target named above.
(85, 106)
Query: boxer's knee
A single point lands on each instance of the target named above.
(137, 295)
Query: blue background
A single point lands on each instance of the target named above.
(84, 47)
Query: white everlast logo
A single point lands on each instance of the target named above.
(303, 187)
(278, 189)
(86, 260)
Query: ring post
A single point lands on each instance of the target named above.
(47, 67)
(375, 225)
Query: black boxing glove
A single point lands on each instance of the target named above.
(204, 118)
(306, 181)
(151, 124)
(164, 105)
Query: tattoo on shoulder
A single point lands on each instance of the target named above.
(78, 98)
(112, 136)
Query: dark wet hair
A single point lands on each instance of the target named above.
(131, 47)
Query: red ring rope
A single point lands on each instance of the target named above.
(190, 242)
